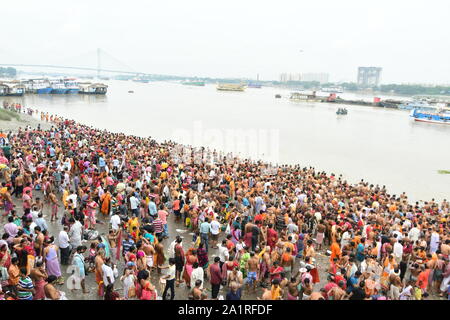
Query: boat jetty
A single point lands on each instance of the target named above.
(50, 86)
(12, 88)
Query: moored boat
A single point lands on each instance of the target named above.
(93, 88)
(15, 89)
(420, 105)
(72, 86)
(305, 97)
(230, 87)
(44, 90)
(389, 103)
(194, 83)
(441, 116)
(58, 87)
(254, 85)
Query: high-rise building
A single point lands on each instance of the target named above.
(369, 76)
(307, 77)
(319, 77)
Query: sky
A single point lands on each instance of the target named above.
(409, 39)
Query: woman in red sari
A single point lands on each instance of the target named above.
(191, 258)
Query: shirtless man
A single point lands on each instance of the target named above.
(54, 206)
(292, 288)
(112, 239)
(18, 189)
(99, 261)
(253, 268)
(39, 275)
(39, 242)
(320, 235)
(235, 276)
(196, 291)
(49, 289)
(338, 292)
(149, 251)
(318, 295)
(445, 248)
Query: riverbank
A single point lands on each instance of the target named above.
(19, 121)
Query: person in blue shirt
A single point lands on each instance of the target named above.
(152, 210)
(353, 281)
(360, 256)
(101, 163)
(150, 237)
(235, 292)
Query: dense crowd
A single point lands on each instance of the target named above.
(273, 228)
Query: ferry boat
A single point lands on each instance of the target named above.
(230, 87)
(254, 85)
(93, 88)
(305, 97)
(44, 90)
(39, 86)
(194, 83)
(72, 86)
(439, 116)
(420, 105)
(333, 89)
(58, 87)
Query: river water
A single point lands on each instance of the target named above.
(380, 146)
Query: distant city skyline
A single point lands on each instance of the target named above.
(242, 39)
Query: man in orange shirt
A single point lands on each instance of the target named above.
(422, 279)
(335, 251)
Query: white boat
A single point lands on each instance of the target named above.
(305, 96)
(230, 87)
(333, 89)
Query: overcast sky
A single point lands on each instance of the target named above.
(409, 39)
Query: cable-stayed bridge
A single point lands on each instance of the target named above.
(105, 63)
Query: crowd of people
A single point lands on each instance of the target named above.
(274, 231)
